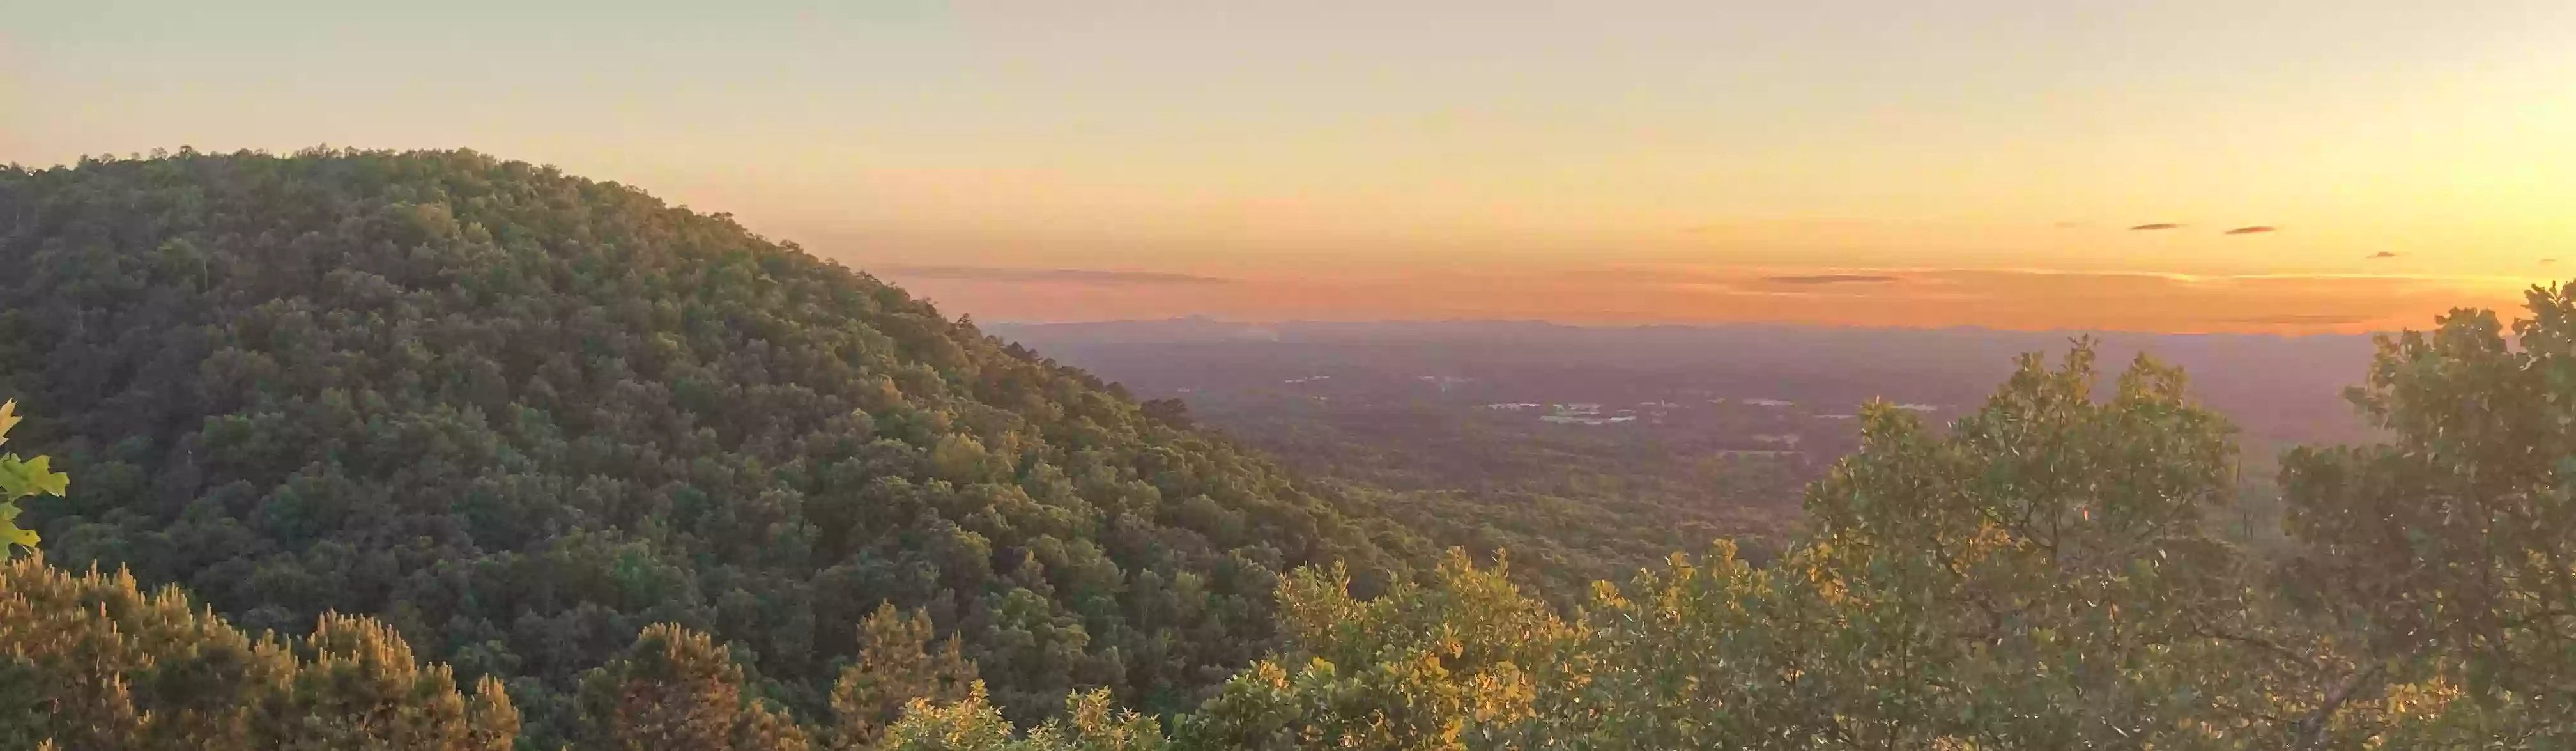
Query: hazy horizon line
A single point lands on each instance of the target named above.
(1634, 326)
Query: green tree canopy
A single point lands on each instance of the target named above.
(519, 416)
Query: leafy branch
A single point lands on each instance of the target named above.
(20, 478)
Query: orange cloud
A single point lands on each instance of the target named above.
(1083, 276)
(1831, 279)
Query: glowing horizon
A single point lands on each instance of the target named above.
(2011, 299)
(1648, 162)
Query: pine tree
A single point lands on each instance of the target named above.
(896, 666)
(679, 689)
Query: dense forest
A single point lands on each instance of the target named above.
(445, 452)
(519, 416)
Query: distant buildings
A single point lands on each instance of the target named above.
(1587, 413)
(1445, 382)
(1307, 379)
(1511, 406)
(1770, 403)
(1585, 419)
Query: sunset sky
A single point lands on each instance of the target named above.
(1884, 163)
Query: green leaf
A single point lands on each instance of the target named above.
(20, 478)
(46, 481)
(10, 534)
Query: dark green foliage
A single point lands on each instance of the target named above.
(2452, 547)
(519, 416)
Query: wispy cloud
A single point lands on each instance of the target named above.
(2253, 230)
(1915, 276)
(2311, 319)
(1077, 276)
(2384, 254)
(1832, 279)
(2154, 226)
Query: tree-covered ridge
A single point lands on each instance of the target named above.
(520, 416)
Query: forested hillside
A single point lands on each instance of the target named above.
(453, 446)
(520, 416)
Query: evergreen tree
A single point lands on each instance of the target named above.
(676, 688)
(896, 665)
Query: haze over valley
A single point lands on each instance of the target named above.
(2282, 389)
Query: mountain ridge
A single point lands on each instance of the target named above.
(519, 415)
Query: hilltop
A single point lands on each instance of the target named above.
(519, 415)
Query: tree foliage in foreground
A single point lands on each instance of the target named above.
(90, 661)
(2452, 549)
(2039, 576)
(19, 479)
